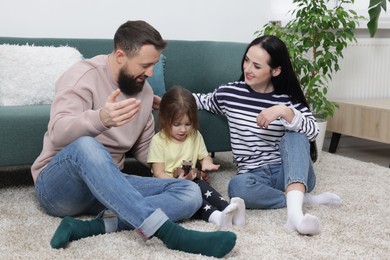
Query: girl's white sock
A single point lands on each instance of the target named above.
(224, 219)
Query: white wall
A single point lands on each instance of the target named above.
(225, 20)
(280, 11)
(220, 20)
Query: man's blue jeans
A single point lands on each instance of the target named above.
(264, 187)
(83, 179)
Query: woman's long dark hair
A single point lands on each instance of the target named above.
(287, 81)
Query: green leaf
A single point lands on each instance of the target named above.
(374, 10)
(316, 37)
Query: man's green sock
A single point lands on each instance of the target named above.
(71, 229)
(217, 244)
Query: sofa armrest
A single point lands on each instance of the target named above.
(21, 133)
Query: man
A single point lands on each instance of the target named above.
(101, 110)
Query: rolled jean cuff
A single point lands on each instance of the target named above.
(290, 181)
(150, 225)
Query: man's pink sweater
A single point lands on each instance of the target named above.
(80, 94)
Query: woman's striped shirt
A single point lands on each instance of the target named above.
(253, 146)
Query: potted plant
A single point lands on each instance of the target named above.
(316, 37)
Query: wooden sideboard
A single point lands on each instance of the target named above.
(363, 118)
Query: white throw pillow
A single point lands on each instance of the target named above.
(28, 73)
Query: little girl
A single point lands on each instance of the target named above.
(178, 141)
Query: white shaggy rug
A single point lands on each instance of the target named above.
(359, 229)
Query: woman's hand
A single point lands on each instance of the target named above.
(268, 115)
(156, 102)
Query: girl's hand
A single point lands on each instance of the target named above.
(177, 172)
(190, 176)
(209, 166)
(205, 177)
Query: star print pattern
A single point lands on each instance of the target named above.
(208, 193)
(212, 201)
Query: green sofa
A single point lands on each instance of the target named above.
(199, 66)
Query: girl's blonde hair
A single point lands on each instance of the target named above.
(176, 103)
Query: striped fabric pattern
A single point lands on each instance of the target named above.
(253, 146)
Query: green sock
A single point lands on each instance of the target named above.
(217, 244)
(71, 229)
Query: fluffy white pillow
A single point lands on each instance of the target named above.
(28, 73)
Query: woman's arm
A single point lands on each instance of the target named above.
(208, 102)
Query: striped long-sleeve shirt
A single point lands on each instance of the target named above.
(253, 146)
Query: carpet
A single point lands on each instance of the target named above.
(359, 229)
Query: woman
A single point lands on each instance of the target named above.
(271, 126)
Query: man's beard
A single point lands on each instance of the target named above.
(128, 84)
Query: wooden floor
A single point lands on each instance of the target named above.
(361, 149)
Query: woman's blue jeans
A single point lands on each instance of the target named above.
(83, 179)
(264, 187)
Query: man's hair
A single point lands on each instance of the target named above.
(132, 35)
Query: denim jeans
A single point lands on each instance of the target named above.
(264, 187)
(83, 179)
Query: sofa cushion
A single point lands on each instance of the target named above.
(157, 81)
(28, 73)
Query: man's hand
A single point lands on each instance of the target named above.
(115, 114)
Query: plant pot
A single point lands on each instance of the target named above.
(321, 123)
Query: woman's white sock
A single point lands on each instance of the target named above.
(326, 198)
(305, 224)
(239, 214)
